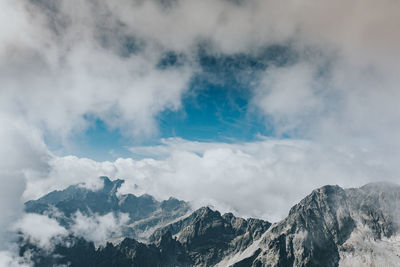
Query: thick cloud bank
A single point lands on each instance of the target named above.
(66, 62)
(45, 232)
(270, 174)
(21, 149)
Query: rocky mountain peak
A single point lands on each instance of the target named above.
(111, 187)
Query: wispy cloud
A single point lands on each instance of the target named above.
(40, 230)
(98, 228)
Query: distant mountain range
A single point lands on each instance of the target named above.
(330, 227)
(145, 213)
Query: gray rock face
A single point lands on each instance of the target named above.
(377, 205)
(208, 236)
(316, 229)
(308, 236)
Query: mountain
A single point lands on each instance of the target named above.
(208, 236)
(145, 213)
(336, 227)
(202, 239)
(331, 226)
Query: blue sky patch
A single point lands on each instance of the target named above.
(214, 109)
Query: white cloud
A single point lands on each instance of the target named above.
(75, 68)
(21, 148)
(270, 175)
(8, 259)
(62, 61)
(290, 95)
(40, 230)
(46, 232)
(53, 79)
(98, 228)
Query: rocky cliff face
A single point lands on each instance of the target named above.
(311, 232)
(319, 230)
(330, 227)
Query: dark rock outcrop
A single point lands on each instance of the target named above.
(208, 236)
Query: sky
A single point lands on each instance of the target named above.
(244, 105)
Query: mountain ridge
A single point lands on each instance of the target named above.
(331, 226)
(76, 198)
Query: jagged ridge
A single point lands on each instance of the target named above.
(144, 211)
(330, 227)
